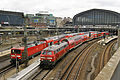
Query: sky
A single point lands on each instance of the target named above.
(59, 8)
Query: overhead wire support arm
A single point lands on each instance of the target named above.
(25, 54)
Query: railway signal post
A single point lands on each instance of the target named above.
(17, 64)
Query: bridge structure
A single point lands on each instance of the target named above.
(111, 29)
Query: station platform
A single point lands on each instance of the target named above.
(111, 70)
(6, 52)
(27, 72)
(107, 40)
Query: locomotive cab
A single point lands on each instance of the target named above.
(47, 57)
(16, 54)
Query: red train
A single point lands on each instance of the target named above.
(36, 47)
(52, 54)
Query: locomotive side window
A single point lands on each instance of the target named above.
(16, 51)
(28, 46)
(41, 42)
(65, 46)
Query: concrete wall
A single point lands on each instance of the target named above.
(116, 75)
(111, 70)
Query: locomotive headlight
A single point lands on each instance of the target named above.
(18, 56)
(13, 55)
(49, 57)
(42, 57)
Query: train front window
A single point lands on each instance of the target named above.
(47, 53)
(16, 51)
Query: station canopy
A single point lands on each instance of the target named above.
(97, 17)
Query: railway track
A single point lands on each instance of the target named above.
(6, 69)
(11, 69)
(39, 75)
(74, 69)
(70, 72)
(5, 58)
(106, 54)
(5, 49)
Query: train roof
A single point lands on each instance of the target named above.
(19, 48)
(71, 39)
(72, 34)
(105, 32)
(55, 47)
(78, 36)
(93, 31)
(53, 38)
(63, 35)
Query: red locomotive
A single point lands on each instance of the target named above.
(51, 54)
(32, 49)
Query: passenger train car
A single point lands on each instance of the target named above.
(52, 54)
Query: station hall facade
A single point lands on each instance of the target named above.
(97, 17)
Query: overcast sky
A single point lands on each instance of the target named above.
(59, 8)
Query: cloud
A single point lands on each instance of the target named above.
(63, 8)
